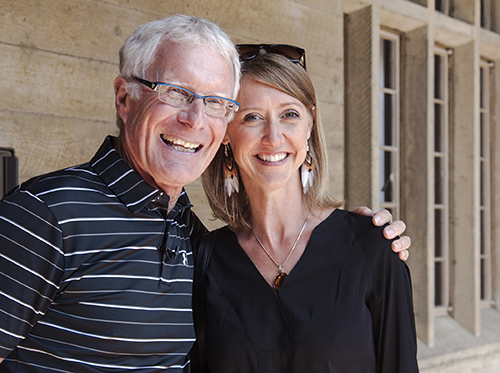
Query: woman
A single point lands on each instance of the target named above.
(293, 283)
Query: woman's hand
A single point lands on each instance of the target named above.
(394, 229)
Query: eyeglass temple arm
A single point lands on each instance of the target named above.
(146, 83)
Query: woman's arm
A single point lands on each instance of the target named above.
(391, 305)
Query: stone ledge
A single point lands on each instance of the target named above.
(458, 350)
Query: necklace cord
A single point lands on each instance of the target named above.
(280, 266)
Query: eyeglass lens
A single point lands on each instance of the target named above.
(180, 97)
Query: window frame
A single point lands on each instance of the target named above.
(443, 207)
(486, 300)
(394, 205)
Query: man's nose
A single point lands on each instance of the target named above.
(193, 114)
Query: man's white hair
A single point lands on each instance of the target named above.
(139, 50)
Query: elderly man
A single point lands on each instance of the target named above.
(96, 265)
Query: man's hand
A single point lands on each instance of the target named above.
(394, 229)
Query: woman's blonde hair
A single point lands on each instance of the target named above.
(277, 72)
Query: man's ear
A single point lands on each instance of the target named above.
(122, 98)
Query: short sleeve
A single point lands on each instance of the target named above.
(31, 265)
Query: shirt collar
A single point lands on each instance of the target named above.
(132, 190)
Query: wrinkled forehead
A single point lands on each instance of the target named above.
(176, 61)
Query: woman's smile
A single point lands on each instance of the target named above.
(272, 158)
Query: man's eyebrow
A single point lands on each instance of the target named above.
(186, 86)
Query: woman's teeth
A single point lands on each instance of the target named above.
(272, 158)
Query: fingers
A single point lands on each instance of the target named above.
(394, 229)
(401, 244)
(382, 217)
(401, 247)
(363, 210)
(403, 255)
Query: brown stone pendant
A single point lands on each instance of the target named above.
(279, 279)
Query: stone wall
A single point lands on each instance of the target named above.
(60, 58)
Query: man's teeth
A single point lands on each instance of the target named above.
(180, 145)
(272, 158)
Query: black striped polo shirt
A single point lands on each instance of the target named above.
(94, 275)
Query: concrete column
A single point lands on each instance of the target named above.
(358, 106)
(464, 187)
(414, 171)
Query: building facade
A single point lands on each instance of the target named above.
(422, 88)
(409, 94)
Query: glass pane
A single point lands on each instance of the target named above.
(438, 233)
(486, 13)
(483, 279)
(438, 86)
(438, 273)
(481, 89)
(387, 54)
(481, 136)
(481, 183)
(439, 5)
(438, 128)
(482, 248)
(387, 176)
(483, 18)
(388, 119)
(438, 180)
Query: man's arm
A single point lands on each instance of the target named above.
(32, 265)
(393, 230)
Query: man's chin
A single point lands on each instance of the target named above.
(178, 176)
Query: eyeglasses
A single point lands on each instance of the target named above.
(181, 97)
(294, 54)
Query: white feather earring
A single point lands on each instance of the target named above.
(231, 173)
(307, 170)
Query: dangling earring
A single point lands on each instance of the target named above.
(231, 173)
(307, 170)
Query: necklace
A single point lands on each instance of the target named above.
(281, 276)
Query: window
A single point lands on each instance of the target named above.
(443, 6)
(441, 190)
(484, 184)
(486, 14)
(389, 123)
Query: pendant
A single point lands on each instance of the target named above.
(279, 279)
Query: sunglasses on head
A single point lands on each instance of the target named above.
(292, 53)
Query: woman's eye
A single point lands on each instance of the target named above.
(291, 114)
(251, 118)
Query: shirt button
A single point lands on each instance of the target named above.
(158, 198)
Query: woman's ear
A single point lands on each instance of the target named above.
(122, 98)
(313, 119)
(313, 112)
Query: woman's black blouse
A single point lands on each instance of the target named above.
(345, 307)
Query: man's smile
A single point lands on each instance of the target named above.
(181, 145)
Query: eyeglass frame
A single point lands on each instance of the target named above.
(301, 60)
(154, 86)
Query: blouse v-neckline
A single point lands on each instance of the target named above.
(256, 271)
(293, 303)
